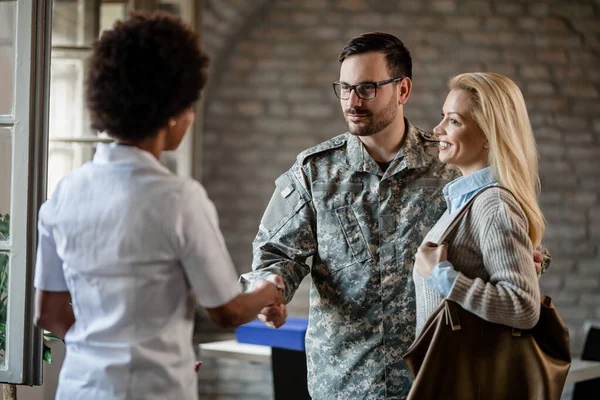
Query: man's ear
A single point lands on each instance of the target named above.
(404, 88)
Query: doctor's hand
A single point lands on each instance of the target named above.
(428, 256)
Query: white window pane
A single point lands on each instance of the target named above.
(64, 157)
(111, 12)
(65, 22)
(74, 22)
(66, 98)
(60, 162)
(5, 186)
(7, 56)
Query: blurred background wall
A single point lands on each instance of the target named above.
(270, 96)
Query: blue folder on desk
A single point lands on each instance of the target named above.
(289, 336)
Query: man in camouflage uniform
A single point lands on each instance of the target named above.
(360, 204)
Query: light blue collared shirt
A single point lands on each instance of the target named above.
(458, 193)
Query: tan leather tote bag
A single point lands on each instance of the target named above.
(458, 355)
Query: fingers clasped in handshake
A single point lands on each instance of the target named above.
(275, 314)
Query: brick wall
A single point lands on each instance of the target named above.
(270, 97)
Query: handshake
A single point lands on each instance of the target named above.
(273, 315)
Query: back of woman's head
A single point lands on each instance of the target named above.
(142, 72)
(498, 107)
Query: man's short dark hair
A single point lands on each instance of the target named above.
(142, 72)
(397, 56)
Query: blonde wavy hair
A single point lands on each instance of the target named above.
(498, 107)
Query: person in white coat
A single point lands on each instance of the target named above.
(123, 242)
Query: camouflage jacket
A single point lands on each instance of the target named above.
(362, 228)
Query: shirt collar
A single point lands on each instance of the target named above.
(410, 155)
(358, 157)
(467, 184)
(115, 153)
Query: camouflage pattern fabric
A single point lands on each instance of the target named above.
(362, 228)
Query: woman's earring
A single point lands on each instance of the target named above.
(172, 123)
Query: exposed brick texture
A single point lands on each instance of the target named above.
(270, 97)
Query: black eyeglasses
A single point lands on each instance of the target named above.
(364, 90)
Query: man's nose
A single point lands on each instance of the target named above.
(354, 100)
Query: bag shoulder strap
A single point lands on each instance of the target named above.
(462, 212)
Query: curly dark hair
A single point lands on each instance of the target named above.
(397, 56)
(142, 72)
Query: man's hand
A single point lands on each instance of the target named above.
(538, 257)
(428, 256)
(272, 284)
(277, 281)
(275, 315)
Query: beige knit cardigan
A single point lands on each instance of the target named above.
(493, 254)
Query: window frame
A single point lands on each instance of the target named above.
(23, 353)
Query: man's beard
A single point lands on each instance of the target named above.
(378, 121)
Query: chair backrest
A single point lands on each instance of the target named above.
(591, 352)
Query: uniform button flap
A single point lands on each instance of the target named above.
(286, 192)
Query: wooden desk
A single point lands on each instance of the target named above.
(580, 370)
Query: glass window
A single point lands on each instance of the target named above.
(22, 136)
(111, 12)
(66, 97)
(64, 155)
(7, 56)
(75, 26)
(74, 22)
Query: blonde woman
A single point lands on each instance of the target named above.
(486, 265)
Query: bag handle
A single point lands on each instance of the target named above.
(451, 316)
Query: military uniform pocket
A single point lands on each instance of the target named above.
(341, 241)
(287, 200)
(328, 196)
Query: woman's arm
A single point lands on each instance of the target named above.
(512, 295)
(244, 307)
(53, 312)
(208, 266)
